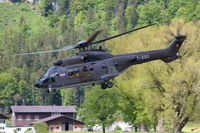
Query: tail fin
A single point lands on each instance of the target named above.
(173, 48)
(176, 44)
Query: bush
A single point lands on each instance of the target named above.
(41, 127)
(117, 128)
(28, 131)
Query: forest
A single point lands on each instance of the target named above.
(155, 95)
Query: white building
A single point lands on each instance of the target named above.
(123, 125)
(2, 122)
(12, 129)
(19, 129)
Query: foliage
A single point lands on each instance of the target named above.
(8, 122)
(117, 128)
(173, 86)
(41, 127)
(46, 7)
(28, 131)
(99, 106)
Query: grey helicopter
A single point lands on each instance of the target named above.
(97, 66)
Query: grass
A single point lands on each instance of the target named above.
(98, 132)
(189, 126)
(186, 129)
(11, 14)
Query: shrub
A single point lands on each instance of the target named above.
(41, 127)
(117, 128)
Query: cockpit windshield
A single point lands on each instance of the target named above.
(51, 72)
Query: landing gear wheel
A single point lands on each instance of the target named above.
(103, 86)
(106, 84)
(109, 84)
(49, 90)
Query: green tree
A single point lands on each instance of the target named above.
(100, 106)
(67, 96)
(152, 12)
(41, 127)
(7, 90)
(46, 7)
(63, 7)
(131, 14)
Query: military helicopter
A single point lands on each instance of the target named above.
(97, 66)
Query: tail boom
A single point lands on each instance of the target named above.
(173, 49)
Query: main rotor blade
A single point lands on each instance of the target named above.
(179, 28)
(93, 37)
(45, 52)
(103, 40)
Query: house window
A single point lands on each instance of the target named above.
(55, 114)
(19, 117)
(37, 117)
(28, 117)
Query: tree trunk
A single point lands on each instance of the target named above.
(136, 128)
(143, 127)
(159, 127)
(154, 127)
(177, 128)
(104, 129)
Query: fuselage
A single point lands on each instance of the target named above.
(96, 71)
(98, 66)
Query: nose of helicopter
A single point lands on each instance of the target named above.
(38, 84)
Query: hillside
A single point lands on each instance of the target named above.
(12, 14)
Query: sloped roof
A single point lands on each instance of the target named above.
(53, 117)
(3, 116)
(43, 109)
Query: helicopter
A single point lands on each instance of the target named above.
(97, 66)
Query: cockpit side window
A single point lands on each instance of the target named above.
(53, 71)
(50, 74)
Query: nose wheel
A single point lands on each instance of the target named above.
(49, 90)
(106, 85)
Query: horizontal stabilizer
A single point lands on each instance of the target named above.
(170, 59)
